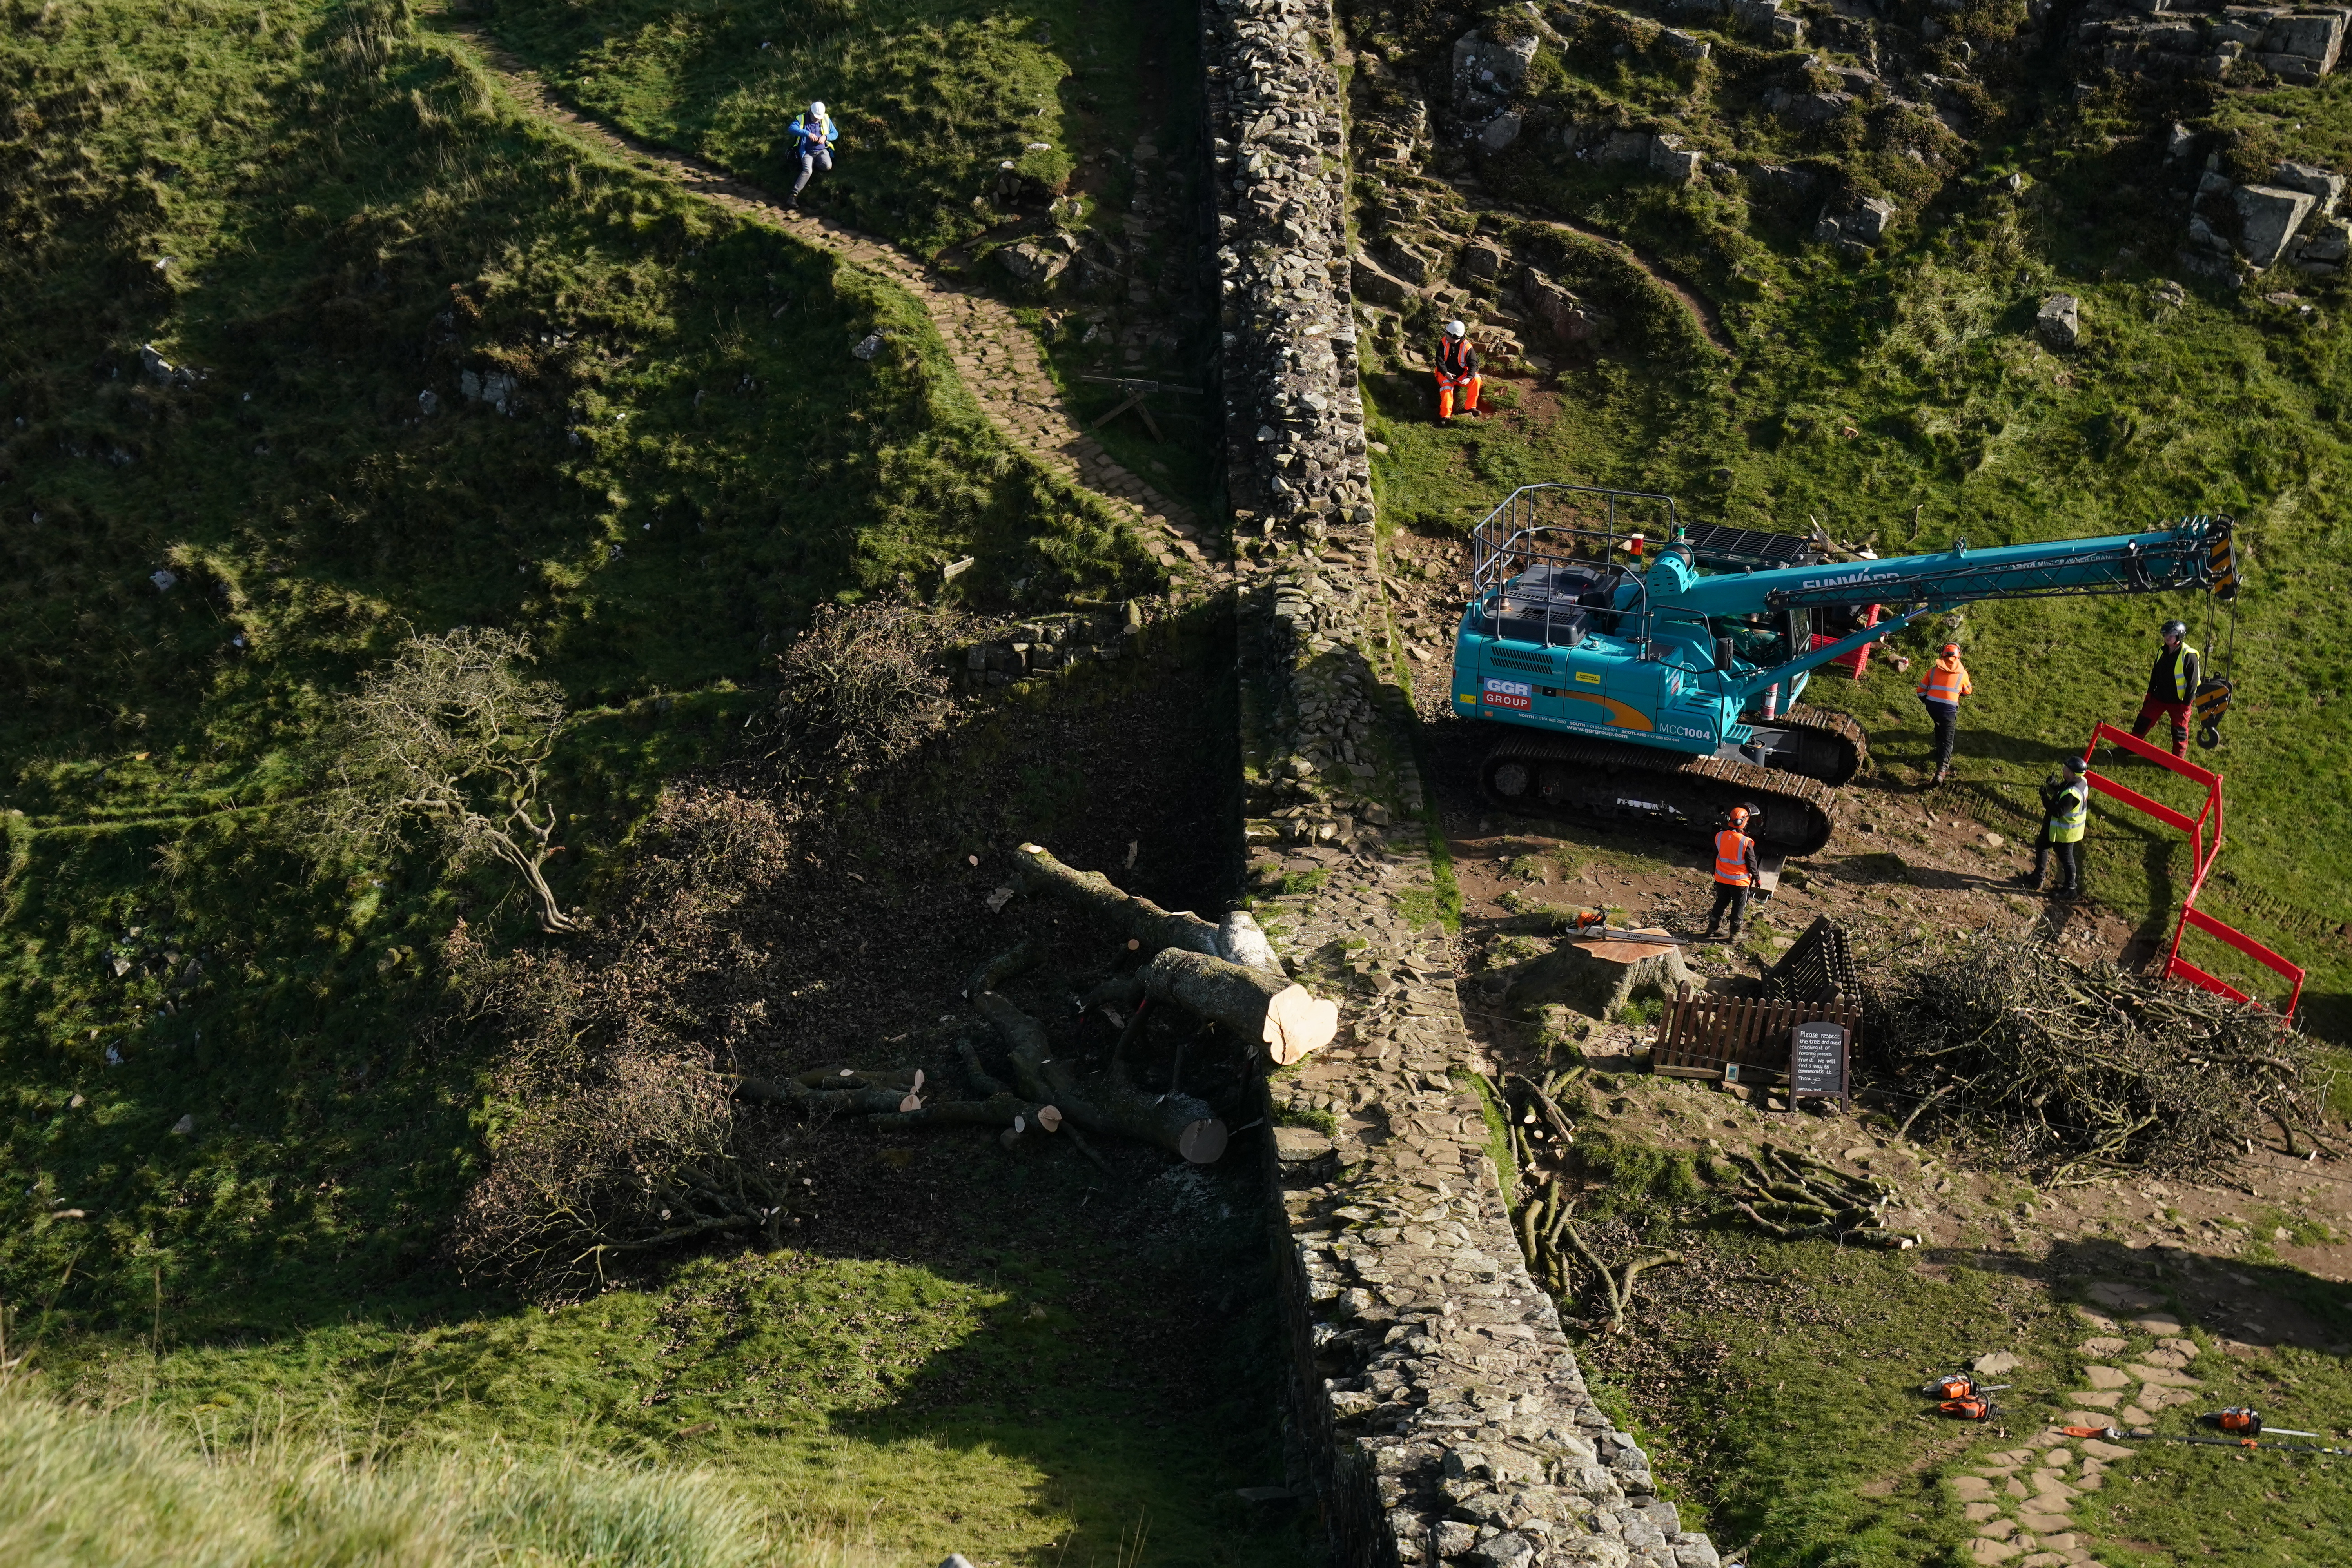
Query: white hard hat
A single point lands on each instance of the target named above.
(818, 109)
(1456, 329)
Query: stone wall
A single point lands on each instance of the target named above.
(1444, 1416)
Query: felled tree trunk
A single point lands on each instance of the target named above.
(1255, 1005)
(1138, 921)
(1254, 1000)
(1108, 1103)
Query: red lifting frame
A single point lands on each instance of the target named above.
(2202, 852)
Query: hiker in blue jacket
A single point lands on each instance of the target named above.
(814, 134)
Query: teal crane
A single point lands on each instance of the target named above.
(1658, 687)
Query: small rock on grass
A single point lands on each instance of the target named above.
(1994, 1364)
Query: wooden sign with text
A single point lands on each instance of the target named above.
(1818, 1062)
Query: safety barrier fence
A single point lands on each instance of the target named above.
(2204, 834)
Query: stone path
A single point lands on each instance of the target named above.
(2021, 1501)
(998, 357)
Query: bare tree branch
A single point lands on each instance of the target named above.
(448, 740)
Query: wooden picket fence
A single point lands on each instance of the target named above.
(1699, 1035)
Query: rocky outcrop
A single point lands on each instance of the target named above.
(1858, 225)
(2290, 220)
(2156, 38)
(1487, 73)
(1443, 1413)
(2267, 219)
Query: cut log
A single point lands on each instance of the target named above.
(1108, 1102)
(1599, 978)
(1144, 924)
(1002, 968)
(1258, 1006)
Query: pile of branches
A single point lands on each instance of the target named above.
(862, 687)
(1543, 1151)
(2059, 1068)
(618, 1134)
(1791, 1196)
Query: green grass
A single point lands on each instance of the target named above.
(931, 95)
(129, 1488)
(691, 460)
(1778, 1385)
(352, 215)
(1904, 400)
(1002, 1397)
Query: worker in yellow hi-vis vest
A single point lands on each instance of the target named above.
(2172, 687)
(2065, 816)
(1940, 691)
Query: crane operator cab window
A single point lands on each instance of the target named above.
(1765, 639)
(1839, 621)
(1555, 606)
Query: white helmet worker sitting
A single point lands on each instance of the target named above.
(814, 134)
(1457, 372)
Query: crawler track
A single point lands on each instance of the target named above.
(1608, 783)
(1833, 744)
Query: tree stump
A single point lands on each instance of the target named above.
(1599, 978)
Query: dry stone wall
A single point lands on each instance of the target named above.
(1443, 1416)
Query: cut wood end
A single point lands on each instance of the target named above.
(1020, 1124)
(1297, 1022)
(1033, 849)
(912, 1102)
(1203, 1141)
(917, 1084)
(1049, 1119)
(1132, 945)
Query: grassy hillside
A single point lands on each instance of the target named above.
(325, 222)
(124, 1489)
(931, 98)
(1097, 108)
(648, 448)
(1902, 399)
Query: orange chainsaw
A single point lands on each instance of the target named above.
(1592, 925)
(1962, 1397)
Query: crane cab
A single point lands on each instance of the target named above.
(1561, 633)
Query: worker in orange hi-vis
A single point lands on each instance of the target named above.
(1457, 372)
(1737, 873)
(1940, 691)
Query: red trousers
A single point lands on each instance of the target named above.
(2151, 710)
(1446, 387)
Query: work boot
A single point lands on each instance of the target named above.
(1943, 772)
(2030, 881)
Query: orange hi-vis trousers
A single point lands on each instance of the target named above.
(1448, 386)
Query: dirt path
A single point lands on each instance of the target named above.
(998, 357)
(1702, 312)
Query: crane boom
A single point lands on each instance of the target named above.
(2195, 552)
(1661, 684)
